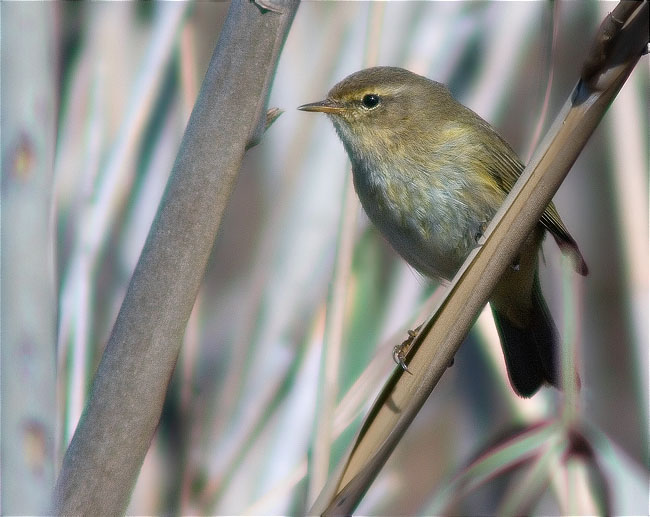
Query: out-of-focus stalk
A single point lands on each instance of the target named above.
(28, 301)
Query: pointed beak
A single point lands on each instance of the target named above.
(326, 106)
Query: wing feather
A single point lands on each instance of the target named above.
(506, 170)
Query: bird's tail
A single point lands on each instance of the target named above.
(531, 351)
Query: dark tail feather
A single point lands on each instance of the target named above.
(568, 246)
(530, 352)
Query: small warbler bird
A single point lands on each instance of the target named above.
(431, 174)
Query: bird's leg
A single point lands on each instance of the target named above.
(479, 231)
(515, 263)
(401, 351)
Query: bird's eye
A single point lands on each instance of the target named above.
(370, 100)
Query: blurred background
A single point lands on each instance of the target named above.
(279, 363)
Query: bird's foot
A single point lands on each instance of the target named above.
(401, 351)
(480, 231)
(515, 264)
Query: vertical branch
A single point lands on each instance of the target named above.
(101, 465)
(28, 299)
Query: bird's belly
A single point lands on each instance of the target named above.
(437, 252)
(429, 256)
(433, 231)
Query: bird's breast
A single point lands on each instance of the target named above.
(431, 224)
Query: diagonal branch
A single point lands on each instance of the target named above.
(441, 336)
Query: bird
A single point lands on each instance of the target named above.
(430, 174)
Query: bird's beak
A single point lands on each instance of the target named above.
(326, 106)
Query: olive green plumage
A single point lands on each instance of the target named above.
(431, 174)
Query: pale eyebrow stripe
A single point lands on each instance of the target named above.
(386, 89)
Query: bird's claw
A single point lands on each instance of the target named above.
(515, 265)
(399, 356)
(400, 351)
(480, 231)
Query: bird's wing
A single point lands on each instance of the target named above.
(509, 169)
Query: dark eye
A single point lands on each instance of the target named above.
(370, 100)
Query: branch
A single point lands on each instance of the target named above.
(28, 297)
(104, 458)
(441, 336)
